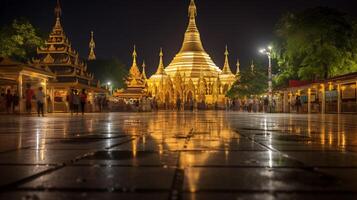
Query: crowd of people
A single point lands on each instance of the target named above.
(11, 100)
(77, 101)
(251, 105)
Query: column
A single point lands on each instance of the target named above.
(285, 101)
(338, 98)
(52, 100)
(44, 84)
(309, 101)
(20, 81)
(323, 99)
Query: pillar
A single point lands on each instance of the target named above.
(285, 102)
(323, 100)
(21, 95)
(309, 101)
(338, 98)
(44, 85)
(53, 100)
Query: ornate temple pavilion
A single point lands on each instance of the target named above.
(136, 82)
(70, 70)
(192, 76)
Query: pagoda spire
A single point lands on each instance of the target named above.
(192, 40)
(58, 10)
(91, 55)
(58, 14)
(134, 70)
(143, 74)
(226, 68)
(161, 68)
(238, 67)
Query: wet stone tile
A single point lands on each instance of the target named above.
(134, 158)
(106, 178)
(40, 156)
(268, 196)
(325, 159)
(241, 158)
(305, 147)
(257, 179)
(21, 195)
(11, 174)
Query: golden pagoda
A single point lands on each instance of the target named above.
(64, 61)
(91, 55)
(192, 76)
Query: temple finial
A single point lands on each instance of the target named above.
(91, 55)
(58, 10)
(226, 68)
(192, 10)
(161, 68)
(238, 67)
(143, 74)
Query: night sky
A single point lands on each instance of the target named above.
(245, 25)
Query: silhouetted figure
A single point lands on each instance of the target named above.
(298, 103)
(8, 101)
(76, 102)
(40, 99)
(83, 101)
(29, 94)
(15, 101)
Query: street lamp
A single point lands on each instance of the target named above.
(109, 86)
(268, 52)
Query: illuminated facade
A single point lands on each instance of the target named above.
(71, 71)
(192, 76)
(135, 82)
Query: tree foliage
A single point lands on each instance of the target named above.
(109, 70)
(19, 40)
(249, 83)
(315, 44)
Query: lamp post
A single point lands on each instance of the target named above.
(268, 52)
(109, 84)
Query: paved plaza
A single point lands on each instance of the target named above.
(179, 155)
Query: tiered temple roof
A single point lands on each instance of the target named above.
(63, 60)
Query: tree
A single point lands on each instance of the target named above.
(249, 83)
(315, 44)
(109, 70)
(19, 40)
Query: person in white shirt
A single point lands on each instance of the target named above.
(40, 99)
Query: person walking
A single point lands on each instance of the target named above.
(83, 98)
(76, 102)
(8, 101)
(298, 103)
(40, 99)
(29, 94)
(70, 97)
(15, 102)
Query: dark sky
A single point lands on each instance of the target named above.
(245, 25)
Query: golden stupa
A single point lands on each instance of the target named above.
(192, 77)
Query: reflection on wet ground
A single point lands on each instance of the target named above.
(179, 155)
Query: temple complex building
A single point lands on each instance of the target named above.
(135, 82)
(69, 69)
(191, 76)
